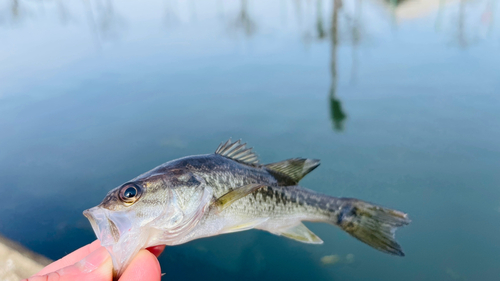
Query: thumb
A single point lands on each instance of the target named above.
(145, 266)
(96, 266)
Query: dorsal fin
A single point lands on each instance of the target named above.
(291, 171)
(238, 152)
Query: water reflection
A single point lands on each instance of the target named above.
(100, 15)
(170, 18)
(12, 12)
(353, 27)
(15, 9)
(473, 16)
(106, 24)
(243, 21)
(336, 112)
(466, 22)
(64, 14)
(469, 27)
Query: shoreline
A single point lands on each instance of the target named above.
(17, 262)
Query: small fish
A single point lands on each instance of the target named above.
(229, 191)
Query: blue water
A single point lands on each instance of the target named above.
(400, 101)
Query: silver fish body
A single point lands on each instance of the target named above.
(229, 191)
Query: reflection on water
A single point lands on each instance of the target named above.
(336, 111)
(100, 16)
(465, 23)
(94, 92)
(243, 21)
(474, 16)
(104, 19)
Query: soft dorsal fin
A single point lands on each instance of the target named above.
(291, 171)
(237, 151)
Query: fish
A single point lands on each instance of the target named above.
(230, 191)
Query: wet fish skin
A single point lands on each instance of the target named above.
(178, 202)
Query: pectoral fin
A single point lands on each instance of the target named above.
(232, 196)
(300, 233)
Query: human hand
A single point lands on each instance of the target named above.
(93, 262)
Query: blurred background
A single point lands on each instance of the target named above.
(399, 99)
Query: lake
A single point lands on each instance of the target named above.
(399, 99)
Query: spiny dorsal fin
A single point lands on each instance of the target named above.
(237, 151)
(291, 171)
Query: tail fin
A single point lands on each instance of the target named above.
(291, 171)
(371, 224)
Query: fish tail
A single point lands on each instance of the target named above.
(371, 224)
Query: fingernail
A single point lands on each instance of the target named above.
(87, 264)
(94, 260)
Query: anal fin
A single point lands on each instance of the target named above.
(300, 233)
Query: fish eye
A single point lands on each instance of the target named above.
(129, 193)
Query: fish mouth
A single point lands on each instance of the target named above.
(117, 234)
(107, 227)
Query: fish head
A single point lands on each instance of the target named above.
(122, 221)
(147, 211)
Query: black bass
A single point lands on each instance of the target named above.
(229, 191)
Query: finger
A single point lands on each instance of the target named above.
(156, 250)
(71, 258)
(95, 266)
(145, 266)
